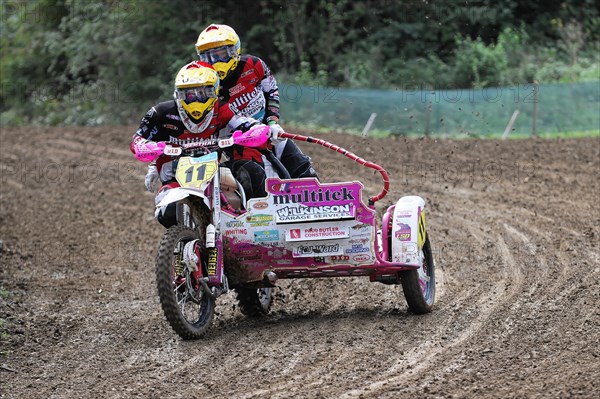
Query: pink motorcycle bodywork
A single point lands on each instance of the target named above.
(304, 228)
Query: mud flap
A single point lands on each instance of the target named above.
(408, 230)
(177, 194)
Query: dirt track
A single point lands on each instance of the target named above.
(515, 231)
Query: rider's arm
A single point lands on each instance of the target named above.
(228, 121)
(148, 129)
(240, 122)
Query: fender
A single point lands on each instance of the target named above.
(408, 230)
(179, 193)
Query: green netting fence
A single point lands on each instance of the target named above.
(547, 108)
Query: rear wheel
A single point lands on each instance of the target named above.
(254, 302)
(188, 309)
(419, 285)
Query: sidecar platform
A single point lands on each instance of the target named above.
(304, 228)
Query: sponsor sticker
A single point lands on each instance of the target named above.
(212, 261)
(403, 233)
(236, 89)
(356, 248)
(172, 151)
(260, 205)
(235, 232)
(362, 228)
(266, 235)
(340, 258)
(323, 232)
(223, 143)
(278, 187)
(302, 213)
(359, 241)
(311, 250)
(361, 258)
(404, 215)
(259, 220)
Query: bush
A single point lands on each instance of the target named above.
(478, 64)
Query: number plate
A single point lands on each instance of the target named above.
(194, 172)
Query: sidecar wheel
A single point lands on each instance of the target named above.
(189, 311)
(254, 302)
(419, 285)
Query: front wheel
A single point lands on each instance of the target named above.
(187, 308)
(419, 285)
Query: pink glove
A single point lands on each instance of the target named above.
(147, 151)
(256, 137)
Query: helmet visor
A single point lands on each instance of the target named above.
(219, 54)
(196, 94)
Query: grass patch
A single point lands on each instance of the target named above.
(4, 293)
(571, 135)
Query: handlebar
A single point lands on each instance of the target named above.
(255, 137)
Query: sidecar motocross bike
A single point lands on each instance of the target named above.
(303, 228)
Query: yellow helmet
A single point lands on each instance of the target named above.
(196, 89)
(219, 46)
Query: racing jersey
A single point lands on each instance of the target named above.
(251, 90)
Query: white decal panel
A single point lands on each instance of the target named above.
(322, 231)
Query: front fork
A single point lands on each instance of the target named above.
(214, 281)
(184, 215)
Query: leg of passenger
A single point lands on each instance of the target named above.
(251, 176)
(296, 162)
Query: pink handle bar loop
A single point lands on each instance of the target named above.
(356, 158)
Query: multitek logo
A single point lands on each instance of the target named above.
(315, 196)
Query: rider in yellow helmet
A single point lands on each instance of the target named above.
(219, 46)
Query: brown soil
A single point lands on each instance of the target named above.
(515, 232)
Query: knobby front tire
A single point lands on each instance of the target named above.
(189, 311)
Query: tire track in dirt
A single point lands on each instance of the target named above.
(484, 303)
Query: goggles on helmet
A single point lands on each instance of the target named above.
(219, 54)
(196, 94)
